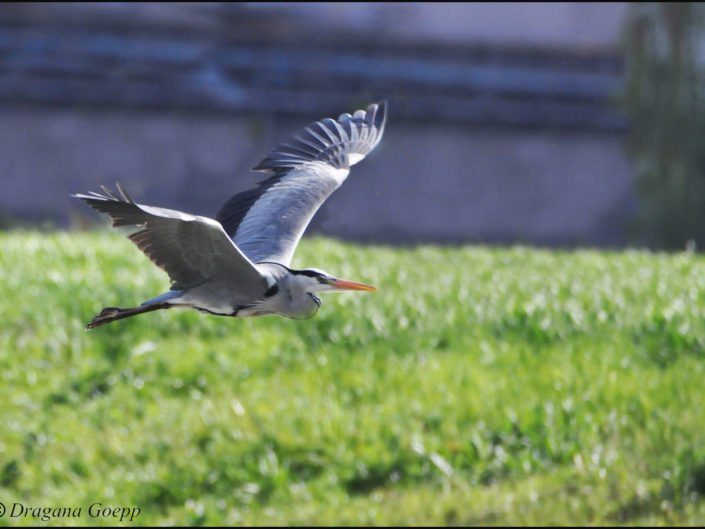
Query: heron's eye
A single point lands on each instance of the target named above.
(321, 279)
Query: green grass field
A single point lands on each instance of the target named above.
(477, 386)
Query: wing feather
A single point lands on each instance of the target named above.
(191, 249)
(267, 222)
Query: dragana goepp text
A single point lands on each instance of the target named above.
(95, 510)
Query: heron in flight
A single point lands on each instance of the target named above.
(238, 264)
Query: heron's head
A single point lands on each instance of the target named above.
(320, 281)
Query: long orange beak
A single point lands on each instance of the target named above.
(342, 284)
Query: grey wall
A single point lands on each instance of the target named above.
(576, 25)
(432, 182)
(494, 135)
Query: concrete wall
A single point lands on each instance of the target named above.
(512, 139)
(430, 182)
(576, 25)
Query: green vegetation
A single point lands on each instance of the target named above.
(664, 100)
(477, 386)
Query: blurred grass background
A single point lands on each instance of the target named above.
(477, 386)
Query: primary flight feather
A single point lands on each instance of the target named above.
(238, 264)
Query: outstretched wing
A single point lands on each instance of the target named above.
(191, 249)
(267, 222)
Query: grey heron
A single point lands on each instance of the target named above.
(238, 264)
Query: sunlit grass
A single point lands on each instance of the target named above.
(477, 386)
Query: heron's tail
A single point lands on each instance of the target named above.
(109, 314)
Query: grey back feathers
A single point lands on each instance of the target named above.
(267, 222)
